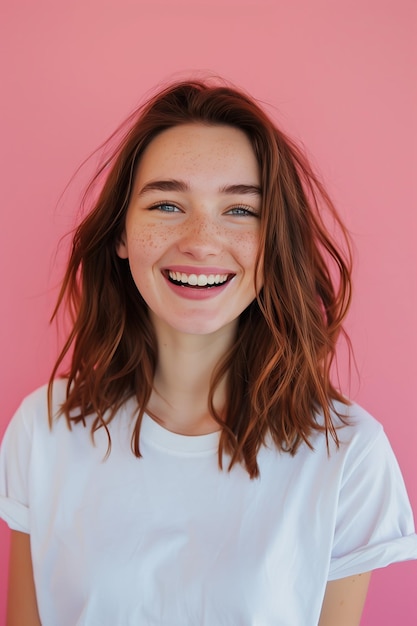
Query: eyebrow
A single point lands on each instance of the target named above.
(179, 185)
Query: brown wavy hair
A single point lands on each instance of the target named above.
(278, 370)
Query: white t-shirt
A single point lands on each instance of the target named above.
(171, 540)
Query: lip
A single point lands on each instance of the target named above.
(191, 293)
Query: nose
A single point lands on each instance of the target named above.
(201, 237)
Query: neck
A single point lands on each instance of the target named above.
(182, 380)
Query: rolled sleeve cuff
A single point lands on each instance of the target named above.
(15, 514)
(373, 557)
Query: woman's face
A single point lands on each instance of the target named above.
(192, 227)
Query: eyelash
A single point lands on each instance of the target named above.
(243, 210)
(159, 206)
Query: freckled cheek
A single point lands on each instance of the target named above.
(147, 238)
(248, 244)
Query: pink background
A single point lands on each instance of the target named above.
(339, 74)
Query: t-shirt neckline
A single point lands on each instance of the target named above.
(153, 433)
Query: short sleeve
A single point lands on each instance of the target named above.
(374, 525)
(15, 455)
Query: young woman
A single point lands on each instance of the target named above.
(229, 483)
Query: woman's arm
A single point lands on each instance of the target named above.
(344, 600)
(22, 607)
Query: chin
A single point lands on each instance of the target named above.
(194, 327)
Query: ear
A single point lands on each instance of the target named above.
(121, 247)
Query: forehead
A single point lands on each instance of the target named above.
(200, 150)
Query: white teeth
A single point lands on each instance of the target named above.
(201, 279)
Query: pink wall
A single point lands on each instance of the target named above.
(341, 76)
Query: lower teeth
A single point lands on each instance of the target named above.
(175, 282)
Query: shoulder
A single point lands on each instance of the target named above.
(32, 427)
(31, 417)
(355, 427)
(37, 400)
(362, 441)
(354, 415)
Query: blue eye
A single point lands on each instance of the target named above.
(242, 210)
(165, 207)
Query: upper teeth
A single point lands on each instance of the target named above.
(198, 279)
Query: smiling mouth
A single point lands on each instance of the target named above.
(198, 281)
